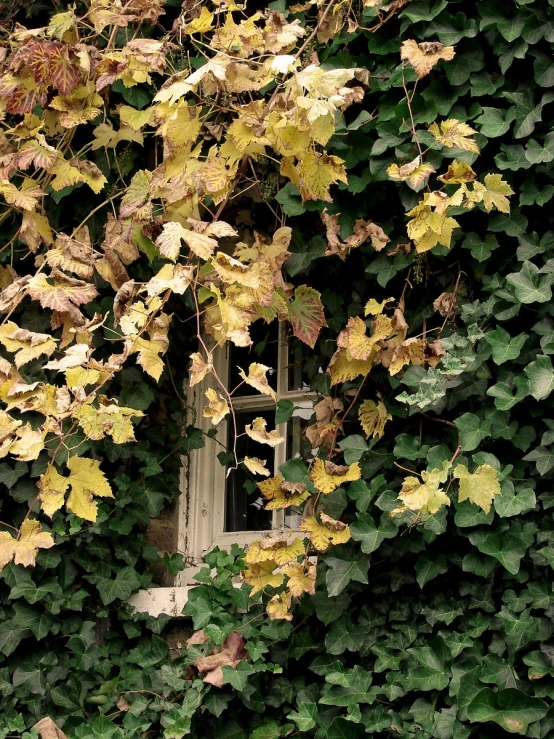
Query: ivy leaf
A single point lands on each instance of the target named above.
(427, 568)
(304, 717)
(511, 709)
(343, 571)
(541, 377)
(306, 314)
(530, 286)
(366, 531)
(472, 431)
(120, 587)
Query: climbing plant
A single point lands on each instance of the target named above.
(347, 170)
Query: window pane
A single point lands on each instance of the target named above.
(243, 501)
(264, 350)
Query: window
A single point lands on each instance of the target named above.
(221, 505)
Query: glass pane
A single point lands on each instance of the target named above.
(244, 509)
(298, 446)
(264, 350)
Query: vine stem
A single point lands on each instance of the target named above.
(345, 414)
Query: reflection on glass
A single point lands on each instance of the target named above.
(244, 509)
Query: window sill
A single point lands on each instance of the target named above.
(158, 601)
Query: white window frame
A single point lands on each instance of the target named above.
(202, 501)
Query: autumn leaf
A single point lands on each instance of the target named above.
(278, 606)
(232, 651)
(480, 487)
(257, 431)
(217, 407)
(423, 57)
(375, 307)
(457, 173)
(256, 466)
(301, 578)
(86, 481)
(28, 444)
(454, 135)
(373, 417)
(414, 172)
(62, 293)
(354, 339)
(343, 367)
(315, 174)
(494, 193)
(411, 351)
(24, 549)
(274, 549)
(425, 497)
(281, 494)
(202, 24)
(25, 345)
(262, 575)
(330, 531)
(52, 488)
(257, 379)
(199, 368)
(306, 315)
(328, 476)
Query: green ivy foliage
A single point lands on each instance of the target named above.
(441, 630)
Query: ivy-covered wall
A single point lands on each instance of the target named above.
(437, 627)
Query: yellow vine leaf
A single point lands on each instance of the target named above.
(87, 481)
(108, 419)
(480, 487)
(149, 351)
(169, 242)
(199, 368)
(256, 466)
(67, 173)
(217, 407)
(353, 338)
(425, 497)
(328, 476)
(424, 56)
(278, 607)
(430, 224)
(281, 494)
(81, 377)
(202, 24)
(53, 487)
(275, 549)
(28, 444)
(24, 550)
(375, 308)
(322, 535)
(257, 431)
(261, 575)
(257, 378)
(301, 578)
(373, 417)
(61, 24)
(493, 194)
(25, 345)
(454, 135)
(457, 173)
(134, 118)
(315, 174)
(411, 351)
(414, 172)
(343, 368)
